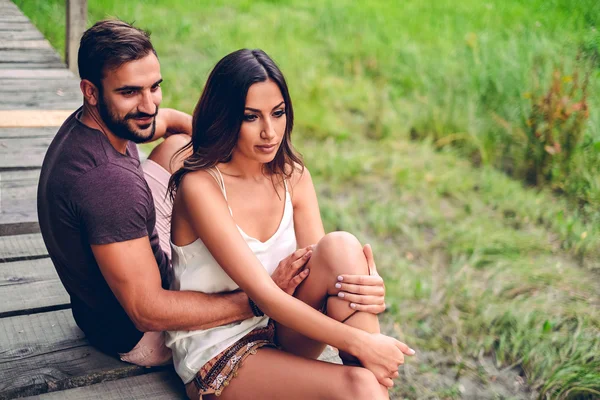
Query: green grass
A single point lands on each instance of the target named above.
(477, 266)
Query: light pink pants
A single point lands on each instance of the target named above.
(151, 350)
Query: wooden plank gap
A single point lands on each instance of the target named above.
(35, 310)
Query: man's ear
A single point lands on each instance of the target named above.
(90, 92)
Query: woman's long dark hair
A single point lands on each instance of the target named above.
(219, 114)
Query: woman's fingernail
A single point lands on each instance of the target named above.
(340, 278)
(306, 271)
(352, 305)
(308, 254)
(411, 351)
(338, 285)
(341, 294)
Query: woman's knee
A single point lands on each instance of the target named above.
(164, 152)
(340, 253)
(361, 384)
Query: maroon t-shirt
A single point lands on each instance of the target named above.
(89, 193)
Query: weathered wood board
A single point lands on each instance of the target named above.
(30, 286)
(47, 352)
(37, 85)
(12, 72)
(18, 202)
(12, 44)
(38, 56)
(16, 26)
(22, 247)
(23, 153)
(30, 65)
(156, 386)
(35, 132)
(69, 98)
(23, 35)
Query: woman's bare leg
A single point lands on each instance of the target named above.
(275, 374)
(337, 253)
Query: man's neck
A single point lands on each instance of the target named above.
(91, 118)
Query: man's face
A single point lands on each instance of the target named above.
(129, 98)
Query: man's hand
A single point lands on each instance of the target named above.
(291, 272)
(363, 292)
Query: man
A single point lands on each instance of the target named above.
(97, 208)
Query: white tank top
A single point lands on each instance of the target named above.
(194, 268)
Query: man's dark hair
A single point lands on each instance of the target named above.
(109, 44)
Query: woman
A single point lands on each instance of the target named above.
(243, 202)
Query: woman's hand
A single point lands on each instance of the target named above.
(363, 292)
(291, 272)
(382, 355)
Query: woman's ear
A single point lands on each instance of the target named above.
(90, 92)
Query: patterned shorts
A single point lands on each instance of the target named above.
(215, 375)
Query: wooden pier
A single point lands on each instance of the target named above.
(43, 354)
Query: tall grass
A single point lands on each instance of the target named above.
(443, 69)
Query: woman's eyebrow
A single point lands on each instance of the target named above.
(258, 111)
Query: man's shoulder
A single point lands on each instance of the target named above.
(74, 151)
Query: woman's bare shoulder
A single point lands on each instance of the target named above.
(298, 173)
(199, 184)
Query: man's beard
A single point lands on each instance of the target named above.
(120, 127)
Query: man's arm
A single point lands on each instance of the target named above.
(170, 122)
(132, 274)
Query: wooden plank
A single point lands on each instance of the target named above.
(38, 56)
(47, 352)
(63, 85)
(330, 355)
(39, 132)
(13, 17)
(6, 11)
(43, 103)
(16, 26)
(30, 286)
(23, 35)
(68, 99)
(33, 118)
(25, 94)
(76, 24)
(22, 247)
(156, 386)
(24, 73)
(10, 11)
(22, 153)
(18, 201)
(24, 44)
(33, 66)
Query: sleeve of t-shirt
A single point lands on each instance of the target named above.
(112, 204)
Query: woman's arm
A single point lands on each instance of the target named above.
(207, 211)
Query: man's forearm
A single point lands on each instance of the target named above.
(177, 122)
(187, 310)
(170, 121)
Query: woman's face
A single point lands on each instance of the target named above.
(264, 122)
